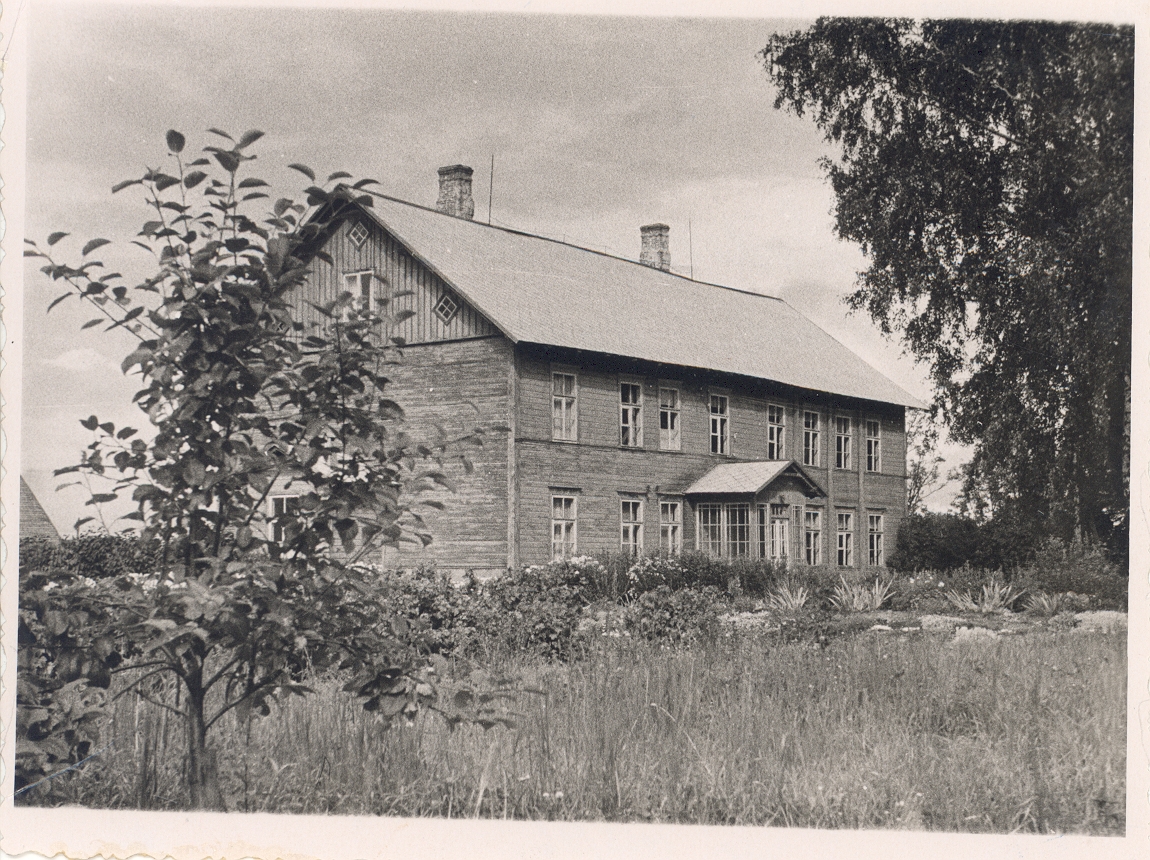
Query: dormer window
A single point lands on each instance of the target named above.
(357, 235)
(447, 307)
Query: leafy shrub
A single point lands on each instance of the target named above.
(935, 542)
(1073, 567)
(674, 616)
(97, 556)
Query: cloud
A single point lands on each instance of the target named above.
(85, 360)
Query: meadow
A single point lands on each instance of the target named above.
(1021, 733)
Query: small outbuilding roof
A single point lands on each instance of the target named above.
(748, 478)
(34, 521)
(538, 290)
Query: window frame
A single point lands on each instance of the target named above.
(456, 306)
(275, 531)
(876, 557)
(844, 538)
(671, 438)
(630, 415)
(568, 526)
(720, 424)
(703, 532)
(570, 410)
(812, 438)
(813, 536)
(365, 301)
(631, 529)
(873, 444)
(353, 231)
(843, 442)
(671, 529)
(776, 431)
(769, 539)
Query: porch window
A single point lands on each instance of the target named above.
(738, 530)
(774, 532)
(709, 534)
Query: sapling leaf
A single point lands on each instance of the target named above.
(305, 170)
(93, 245)
(56, 237)
(175, 141)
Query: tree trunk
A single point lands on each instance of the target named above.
(203, 778)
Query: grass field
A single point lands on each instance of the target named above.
(1024, 733)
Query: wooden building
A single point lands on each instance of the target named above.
(645, 411)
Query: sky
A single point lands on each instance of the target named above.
(597, 125)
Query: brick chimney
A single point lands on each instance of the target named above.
(656, 250)
(455, 191)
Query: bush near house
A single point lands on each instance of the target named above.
(98, 556)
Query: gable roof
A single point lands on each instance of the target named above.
(34, 521)
(538, 290)
(748, 478)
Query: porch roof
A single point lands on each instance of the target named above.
(748, 478)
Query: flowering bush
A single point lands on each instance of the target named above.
(672, 616)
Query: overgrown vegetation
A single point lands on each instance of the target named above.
(1021, 735)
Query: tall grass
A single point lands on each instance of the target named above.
(1016, 735)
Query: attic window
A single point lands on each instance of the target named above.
(357, 234)
(447, 307)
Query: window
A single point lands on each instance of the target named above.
(282, 508)
(669, 419)
(631, 526)
(813, 536)
(776, 421)
(357, 234)
(842, 442)
(720, 428)
(563, 526)
(671, 527)
(810, 438)
(564, 406)
(774, 532)
(447, 307)
(359, 285)
(873, 446)
(630, 415)
(738, 530)
(709, 535)
(874, 540)
(845, 539)
(724, 530)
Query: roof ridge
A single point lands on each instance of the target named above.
(555, 241)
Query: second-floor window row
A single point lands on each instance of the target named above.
(565, 419)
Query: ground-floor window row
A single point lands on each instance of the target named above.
(727, 530)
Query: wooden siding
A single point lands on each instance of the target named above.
(601, 472)
(401, 279)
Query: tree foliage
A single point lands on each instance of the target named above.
(986, 170)
(242, 401)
